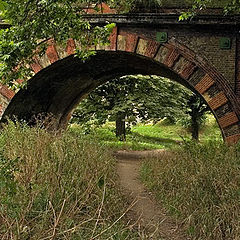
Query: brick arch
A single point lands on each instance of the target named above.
(173, 57)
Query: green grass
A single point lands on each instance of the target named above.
(58, 187)
(159, 136)
(199, 185)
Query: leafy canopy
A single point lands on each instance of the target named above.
(137, 97)
(34, 23)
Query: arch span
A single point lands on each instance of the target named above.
(62, 80)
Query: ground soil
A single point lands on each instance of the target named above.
(146, 214)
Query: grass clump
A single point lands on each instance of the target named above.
(162, 135)
(200, 185)
(57, 187)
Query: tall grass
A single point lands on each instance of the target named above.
(57, 187)
(201, 186)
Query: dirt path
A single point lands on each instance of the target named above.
(148, 216)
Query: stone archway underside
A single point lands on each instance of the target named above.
(62, 80)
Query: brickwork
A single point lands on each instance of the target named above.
(71, 46)
(216, 102)
(113, 39)
(52, 52)
(228, 119)
(195, 58)
(204, 84)
(5, 97)
(131, 43)
(206, 45)
(237, 84)
(36, 67)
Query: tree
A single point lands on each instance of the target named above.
(196, 114)
(229, 7)
(141, 98)
(33, 23)
(131, 99)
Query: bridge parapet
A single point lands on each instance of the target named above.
(164, 18)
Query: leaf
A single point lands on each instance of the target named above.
(3, 6)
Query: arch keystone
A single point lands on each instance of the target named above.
(70, 78)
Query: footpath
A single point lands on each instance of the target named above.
(146, 214)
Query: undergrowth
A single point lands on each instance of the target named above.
(57, 187)
(200, 185)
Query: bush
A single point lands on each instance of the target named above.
(57, 187)
(201, 186)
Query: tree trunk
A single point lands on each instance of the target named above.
(121, 127)
(195, 128)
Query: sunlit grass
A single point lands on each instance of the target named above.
(158, 136)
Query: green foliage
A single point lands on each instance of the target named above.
(162, 135)
(200, 185)
(140, 98)
(57, 187)
(34, 23)
(228, 6)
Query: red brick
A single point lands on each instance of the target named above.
(71, 46)
(52, 53)
(152, 48)
(204, 84)
(232, 139)
(218, 101)
(6, 92)
(188, 70)
(36, 67)
(228, 119)
(20, 81)
(131, 42)
(113, 39)
(104, 9)
(171, 58)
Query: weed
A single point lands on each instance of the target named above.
(57, 187)
(200, 185)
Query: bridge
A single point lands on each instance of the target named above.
(202, 54)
